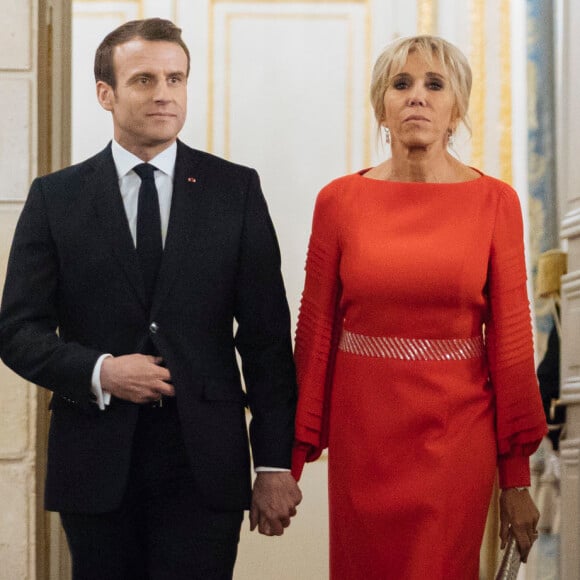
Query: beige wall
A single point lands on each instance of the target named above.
(18, 162)
(33, 140)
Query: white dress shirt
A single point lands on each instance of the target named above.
(129, 184)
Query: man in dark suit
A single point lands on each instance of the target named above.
(126, 274)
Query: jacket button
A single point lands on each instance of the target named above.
(153, 327)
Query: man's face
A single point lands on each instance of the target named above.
(149, 102)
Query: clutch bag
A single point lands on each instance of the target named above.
(510, 563)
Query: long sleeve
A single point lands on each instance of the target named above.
(318, 331)
(263, 336)
(519, 415)
(29, 342)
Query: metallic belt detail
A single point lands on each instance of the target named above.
(431, 349)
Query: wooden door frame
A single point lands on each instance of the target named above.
(54, 145)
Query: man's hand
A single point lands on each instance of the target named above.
(138, 378)
(274, 500)
(518, 514)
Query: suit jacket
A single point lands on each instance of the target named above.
(74, 291)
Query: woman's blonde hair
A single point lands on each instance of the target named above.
(393, 59)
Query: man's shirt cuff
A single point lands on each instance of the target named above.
(102, 398)
(262, 469)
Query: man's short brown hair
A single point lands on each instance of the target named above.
(148, 29)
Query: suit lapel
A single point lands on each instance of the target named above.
(186, 216)
(103, 187)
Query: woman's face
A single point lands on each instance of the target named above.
(419, 104)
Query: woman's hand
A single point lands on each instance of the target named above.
(518, 513)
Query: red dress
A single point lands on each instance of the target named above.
(416, 407)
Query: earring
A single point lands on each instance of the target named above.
(450, 138)
(387, 135)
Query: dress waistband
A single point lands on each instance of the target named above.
(425, 349)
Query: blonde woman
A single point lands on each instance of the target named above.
(414, 345)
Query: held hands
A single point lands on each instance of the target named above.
(518, 514)
(138, 378)
(274, 500)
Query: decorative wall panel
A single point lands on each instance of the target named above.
(16, 37)
(15, 427)
(16, 532)
(287, 94)
(16, 142)
(92, 128)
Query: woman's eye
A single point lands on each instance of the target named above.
(400, 85)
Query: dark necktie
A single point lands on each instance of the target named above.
(149, 243)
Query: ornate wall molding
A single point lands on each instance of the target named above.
(570, 227)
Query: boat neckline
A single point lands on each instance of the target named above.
(362, 175)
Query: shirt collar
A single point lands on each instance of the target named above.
(125, 160)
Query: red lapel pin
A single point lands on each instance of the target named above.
(192, 179)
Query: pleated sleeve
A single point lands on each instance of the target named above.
(520, 421)
(318, 330)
